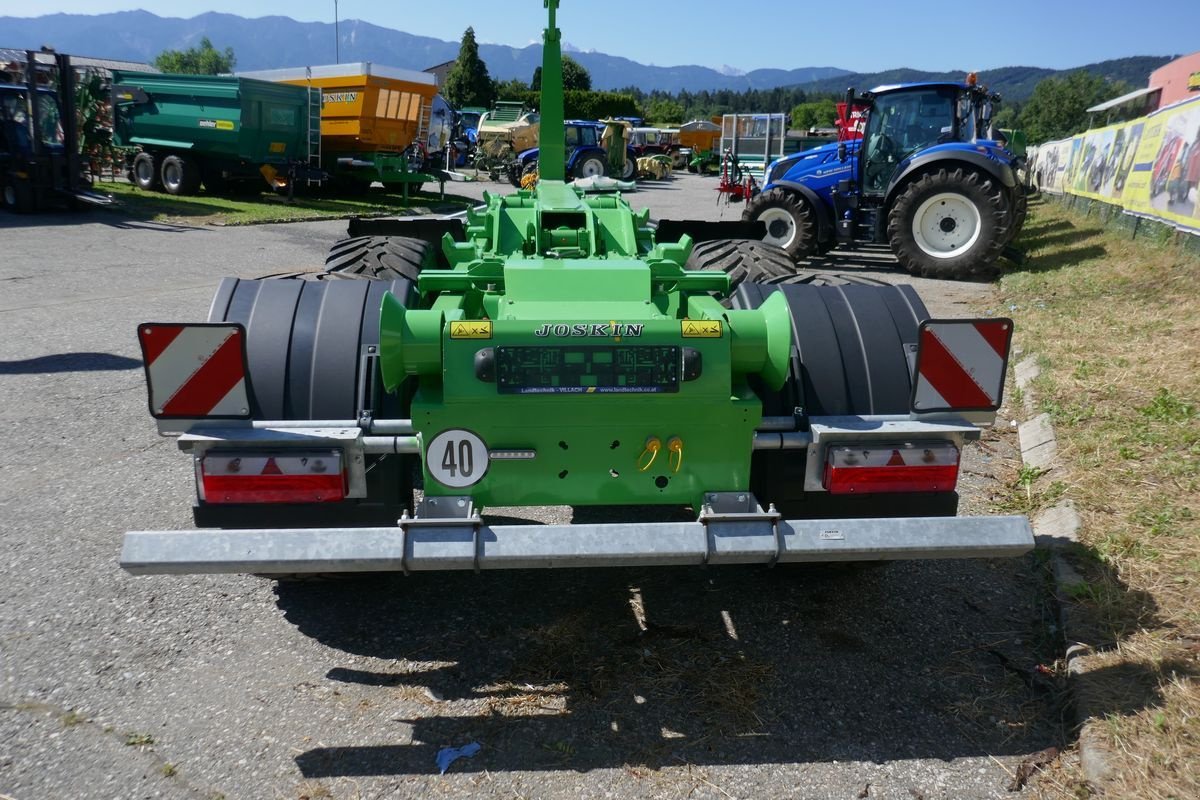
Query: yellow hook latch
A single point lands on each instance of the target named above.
(653, 445)
(675, 453)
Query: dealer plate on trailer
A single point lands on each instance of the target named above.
(588, 369)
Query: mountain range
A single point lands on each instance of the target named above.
(270, 42)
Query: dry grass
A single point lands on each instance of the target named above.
(1116, 324)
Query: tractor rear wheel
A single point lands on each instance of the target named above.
(180, 175)
(591, 166)
(18, 195)
(849, 357)
(1020, 208)
(950, 224)
(145, 172)
(630, 170)
(379, 257)
(791, 223)
(743, 260)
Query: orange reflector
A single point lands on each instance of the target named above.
(300, 477)
(891, 468)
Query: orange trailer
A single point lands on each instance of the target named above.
(371, 116)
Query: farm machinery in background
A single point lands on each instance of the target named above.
(40, 163)
(588, 154)
(507, 129)
(347, 125)
(922, 177)
(559, 348)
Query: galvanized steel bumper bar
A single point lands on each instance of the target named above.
(418, 545)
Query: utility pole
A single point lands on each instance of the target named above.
(337, 39)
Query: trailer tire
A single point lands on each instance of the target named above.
(791, 223)
(145, 172)
(379, 257)
(849, 357)
(742, 260)
(306, 342)
(180, 176)
(950, 224)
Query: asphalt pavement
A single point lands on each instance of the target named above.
(911, 681)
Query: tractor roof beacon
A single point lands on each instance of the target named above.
(558, 348)
(923, 178)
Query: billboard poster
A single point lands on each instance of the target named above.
(1148, 166)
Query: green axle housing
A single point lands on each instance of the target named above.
(568, 357)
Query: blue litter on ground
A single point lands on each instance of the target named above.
(448, 755)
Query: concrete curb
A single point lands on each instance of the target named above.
(1056, 529)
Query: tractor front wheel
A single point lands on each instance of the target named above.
(950, 224)
(790, 221)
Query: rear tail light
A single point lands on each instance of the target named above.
(289, 477)
(888, 468)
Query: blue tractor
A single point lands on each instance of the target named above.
(585, 157)
(923, 178)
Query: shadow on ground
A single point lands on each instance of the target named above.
(566, 669)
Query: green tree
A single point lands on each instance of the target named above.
(468, 83)
(664, 110)
(202, 60)
(511, 89)
(1058, 107)
(575, 77)
(816, 114)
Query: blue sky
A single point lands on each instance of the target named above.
(865, 36)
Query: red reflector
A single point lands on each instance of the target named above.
(273, 488)
(301, 477)
(891, 468)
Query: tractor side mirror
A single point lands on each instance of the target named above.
(842, 153)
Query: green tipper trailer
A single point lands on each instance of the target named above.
(224, 132)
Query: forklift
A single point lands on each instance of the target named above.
(40, 163)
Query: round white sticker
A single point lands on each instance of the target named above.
(457, 458)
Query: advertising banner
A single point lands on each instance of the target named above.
(1148, 166)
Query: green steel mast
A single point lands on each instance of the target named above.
(551, 140)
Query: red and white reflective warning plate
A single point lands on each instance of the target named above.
(961, 364)
(195, 371)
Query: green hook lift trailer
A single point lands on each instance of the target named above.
(558, 348)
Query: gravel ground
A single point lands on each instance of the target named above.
(721, 683)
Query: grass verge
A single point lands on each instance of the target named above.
(1115, 322)
(207, 209)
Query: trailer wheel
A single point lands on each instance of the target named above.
(308, 345)
(145, 172)
(790, 221)
(849, 357)
(741, 259)
(379, 257)
(950, 224)
(180, 175)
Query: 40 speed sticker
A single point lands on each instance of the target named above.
(457, 458)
